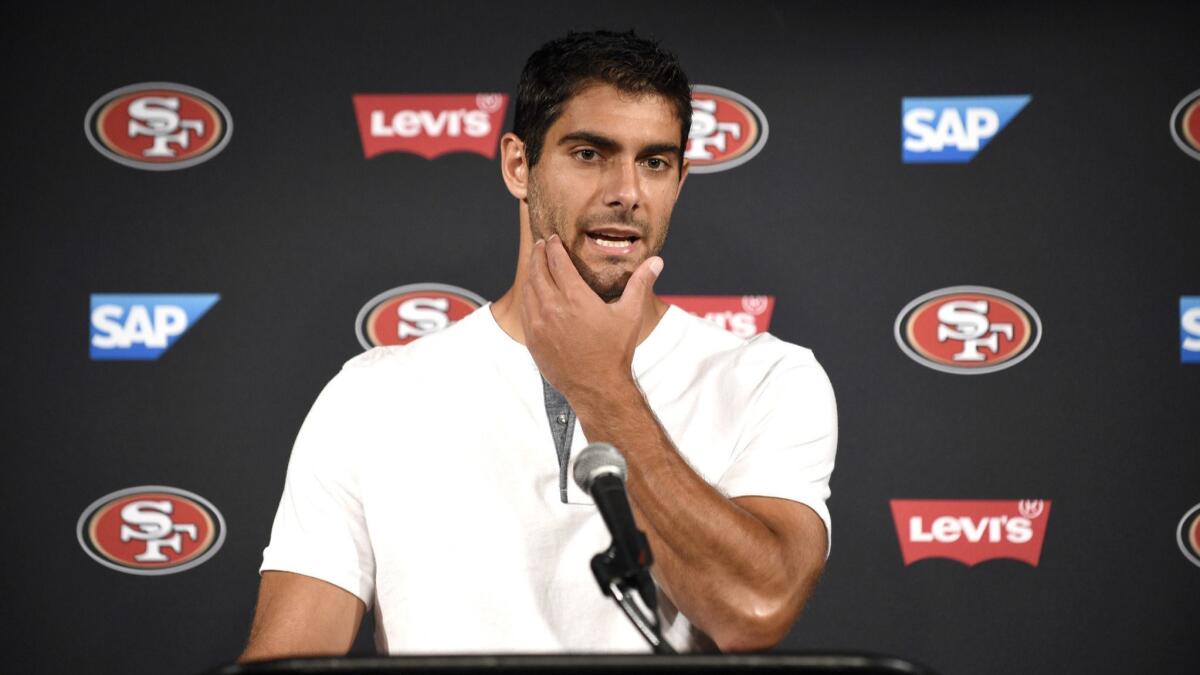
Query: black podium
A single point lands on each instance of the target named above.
(596, 664)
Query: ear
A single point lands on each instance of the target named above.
(513, 165)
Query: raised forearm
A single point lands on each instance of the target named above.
(739, 574)
(725, 569)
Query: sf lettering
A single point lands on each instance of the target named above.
(707, 132)
(150, 521)
(422, 316)
(158, 117)
(966, 321)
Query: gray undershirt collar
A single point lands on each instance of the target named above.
(562, 430)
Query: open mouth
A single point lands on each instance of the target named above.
(612, 240)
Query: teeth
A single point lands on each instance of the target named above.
(612, 243)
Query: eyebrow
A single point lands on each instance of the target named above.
(606, 143)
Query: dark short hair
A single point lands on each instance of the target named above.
(561, 68)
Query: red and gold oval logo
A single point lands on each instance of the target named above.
(151, 530)
(1185, 124)
(158, 126)
(728, 130)
(403, 314)
(1188, 534)
(968, 330)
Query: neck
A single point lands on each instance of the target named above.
(507, 310)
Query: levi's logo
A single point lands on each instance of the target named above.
(971, 530)
(743, 315)
(430, 125)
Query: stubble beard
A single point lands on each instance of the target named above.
(546, 218)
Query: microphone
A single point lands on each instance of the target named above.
(600, 472)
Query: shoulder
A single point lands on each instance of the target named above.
(762, 355)
(770, 354)
(389, 375)
(448, 345)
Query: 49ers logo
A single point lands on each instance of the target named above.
(1188, 535)
(728, 130)
(158, 126)
(151, 530)
(968, 330)
(403, 314)
(1185, 124)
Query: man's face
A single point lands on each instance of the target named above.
(606, 182)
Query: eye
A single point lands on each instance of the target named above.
(657, 164)
(587, 154)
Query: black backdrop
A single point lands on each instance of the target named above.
(1083, 206)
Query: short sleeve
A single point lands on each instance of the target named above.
(789, 445)
(319, 529)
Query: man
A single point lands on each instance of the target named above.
(429, 481)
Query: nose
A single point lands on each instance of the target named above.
(623, 188)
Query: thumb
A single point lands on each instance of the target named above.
(641, 283)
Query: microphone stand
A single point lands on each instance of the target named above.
(626, 579)
(623, 571)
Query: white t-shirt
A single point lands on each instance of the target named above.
(425, 481)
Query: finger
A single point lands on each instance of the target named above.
(562, 270)
(641, 283)
(533, 295)
(539, 275)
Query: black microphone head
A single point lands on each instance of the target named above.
(597, 459)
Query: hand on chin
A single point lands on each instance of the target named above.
(580, 342)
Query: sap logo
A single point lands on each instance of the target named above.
(952, 130)
(1189, 325)
(142, 327)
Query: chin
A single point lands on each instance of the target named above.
(609, 284)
